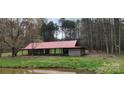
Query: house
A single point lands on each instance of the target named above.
(69, 48)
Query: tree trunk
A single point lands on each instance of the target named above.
(112, 36)
(0, 52)
(105, 36)
(106, 42)
(91, 36)
(119, 50)
(14, 52)
(117, 35)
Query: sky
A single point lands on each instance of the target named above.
(56, 20)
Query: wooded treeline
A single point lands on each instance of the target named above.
(95, 34)
(102, 34)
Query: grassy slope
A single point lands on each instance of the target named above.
(57, 62)
(114, 64)
(99, 64)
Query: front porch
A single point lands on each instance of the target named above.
(57, 51)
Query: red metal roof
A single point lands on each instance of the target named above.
(54, 44)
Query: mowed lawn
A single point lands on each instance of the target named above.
(96, 63)
(19, 53)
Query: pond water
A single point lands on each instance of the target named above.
(43, 71)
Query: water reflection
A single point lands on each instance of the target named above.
(42, 71)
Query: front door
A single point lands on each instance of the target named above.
(65, 51)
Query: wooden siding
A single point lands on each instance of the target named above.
(74, 52)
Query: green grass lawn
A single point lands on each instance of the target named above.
(25, 52)
(99, 64)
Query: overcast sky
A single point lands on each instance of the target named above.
(56, 20)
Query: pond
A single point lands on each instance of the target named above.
(43, 71)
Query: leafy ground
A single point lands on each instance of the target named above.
(95, 63)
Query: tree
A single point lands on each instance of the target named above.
(0, 47)
(102, 34)
(68, 27)
(14, 32)
(48, 31)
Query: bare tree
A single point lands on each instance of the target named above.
(14, 32)
(103, 34)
